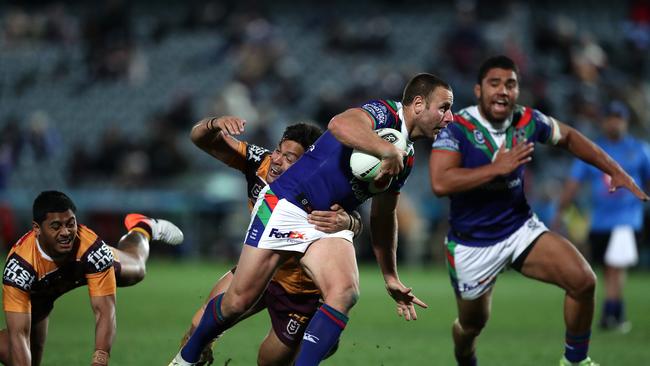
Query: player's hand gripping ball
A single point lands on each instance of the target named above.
(365, 166)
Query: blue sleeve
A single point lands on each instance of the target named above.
(579, 171)
(381, 113)
(547, 130)
(446, 140)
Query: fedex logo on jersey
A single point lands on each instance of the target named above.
(292, 235)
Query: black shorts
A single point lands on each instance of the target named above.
(290, 313)
(598, 240)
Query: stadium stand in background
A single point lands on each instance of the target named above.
(98, 100)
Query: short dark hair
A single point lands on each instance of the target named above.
(496, 62)
(51, 201)
(617, 108)
(303, 133)
(422, 85)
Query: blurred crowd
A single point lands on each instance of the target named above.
(363, 51)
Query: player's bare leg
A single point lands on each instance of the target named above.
(220, 287)
(133, 248)
(255, 268)
(613, 312)
(331, 263)
(273, 352)
(555, 260)
(254, 271)
(472, 317)
(614, 280)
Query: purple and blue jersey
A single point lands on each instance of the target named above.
(322, 176)
(609, 210)
(490, 213)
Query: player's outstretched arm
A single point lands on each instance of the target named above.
(586, 150)
(105, 327)
(353, 129)
(18, 327)
(215, 136)
(383, 229)
(335, 220)
(448, 177)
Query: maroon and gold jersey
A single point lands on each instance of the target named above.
(255, 161)
(30, 275)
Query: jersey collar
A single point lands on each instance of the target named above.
(473, 110)
(43, 254)
(400, 114)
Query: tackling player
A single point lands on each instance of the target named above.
(478, 162)
(58, 255)
(280, 226)
(291, 298)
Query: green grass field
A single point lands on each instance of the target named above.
(525, 328)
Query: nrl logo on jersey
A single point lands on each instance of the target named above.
(478, 136)
(293, 326)
(520, 135)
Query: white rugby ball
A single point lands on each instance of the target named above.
(365, 166)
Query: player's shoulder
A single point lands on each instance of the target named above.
(20, 268)
(381, 110)
(255, 153)
(87, 237)
(26, 242)
(93, 252)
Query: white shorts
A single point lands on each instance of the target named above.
(280, 225)
(473, 270)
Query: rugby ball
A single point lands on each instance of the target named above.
(365, 166)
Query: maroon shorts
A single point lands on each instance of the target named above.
(290, 313)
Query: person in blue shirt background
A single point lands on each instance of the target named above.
(616, 216)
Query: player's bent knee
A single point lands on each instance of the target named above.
(343, 298)
(237, 305)
(470, 329)
(584, 285)
(132, 278)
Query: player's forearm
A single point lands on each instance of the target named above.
(205, 134)
(353, 131)
(383, 230)
(105, 332)
(105, 324)
(587, 151)
(20, 351)
(456, 180)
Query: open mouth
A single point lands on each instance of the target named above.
(500, 106)
(274, 171)
(65, 243)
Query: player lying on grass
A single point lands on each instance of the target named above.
(291, 298)
(59, 255)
